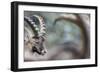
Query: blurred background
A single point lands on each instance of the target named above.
(64, 36)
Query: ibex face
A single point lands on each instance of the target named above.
(37, 45)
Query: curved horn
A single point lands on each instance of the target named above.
(32, 25)
(42, 31)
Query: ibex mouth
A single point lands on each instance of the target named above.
(43, 52)
(34, 49)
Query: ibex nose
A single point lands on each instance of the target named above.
(43, 52)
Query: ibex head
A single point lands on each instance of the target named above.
(37, 40)
(38, 45)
